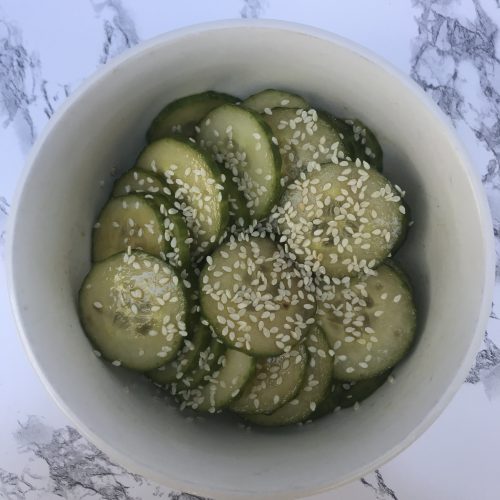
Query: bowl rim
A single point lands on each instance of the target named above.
(480, 198)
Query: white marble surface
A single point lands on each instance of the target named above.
(450, 47)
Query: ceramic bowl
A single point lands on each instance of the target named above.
(101, 127)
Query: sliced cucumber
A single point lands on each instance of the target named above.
(239, 213)
(366, 144)
(144, 222)
(185, 359)
(255, 298)
(356, 392)
(347, 135)
(346, 394)
(176, 233)
(317, 381)
(304, 136)
(137, 180)
(234, 370)
(204, 366)
(370, 323)
(275, 382)
(240, 140)
(268, 99)
(195, 185)
(182, 115)
(342, 219)
(133, 309)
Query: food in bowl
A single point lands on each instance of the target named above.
(244, 264)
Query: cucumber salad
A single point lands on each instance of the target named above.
(244, 263)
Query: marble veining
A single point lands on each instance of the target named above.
(19, 83)
(27, 99)
(119, 28)
(487, 363)
(454, 59)
(253, 9)
(453, 56)
(62, 464)
(376, 483)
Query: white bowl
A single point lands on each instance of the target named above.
(449, 255)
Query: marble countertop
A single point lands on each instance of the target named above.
(449, 47)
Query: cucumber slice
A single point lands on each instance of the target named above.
(304, 136)
(176, 233)
(275, 382)
(370, 323)
(144, 222)
(341, 219)
(133, 309)
(136, 221)
(346, 394)
(234, 370)
(239, 213)
(255, 298)
(366, 144)
(240, 140)
(204, 366)
(182, 115)
(317, 380)
(268, 99)
(356, 392)
(347, 135)
(137, 180)
(194, 183)
(186, 357)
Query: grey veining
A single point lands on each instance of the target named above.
(253, 9)
(377, 484)
(119, 28)
(27, 99)
(19, 83)
(486, 360)
(62, 464)
(451, 57)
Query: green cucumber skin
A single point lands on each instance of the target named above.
(119, 191)
(323, 368)
(277, 160)
(216, 172)
(181, 232)
(345, 144)
(198, 374)
(82, 314)
(338, 398)
(241, 212)
(198, 337)
(401, 330)
(242, 404)
(149, 201)
(376, 163)
(153, 134)
(250, 103)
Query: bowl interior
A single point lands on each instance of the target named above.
(103, 130)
